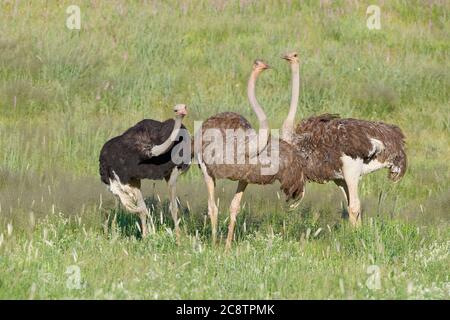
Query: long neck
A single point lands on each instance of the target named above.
(288, 125)
(162, 148)
(263, 134)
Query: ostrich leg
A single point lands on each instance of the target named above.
(172, 180)
(131, 198)
(352, 171)
(143, 217)
(212, 208)
(139, 206)
(234, 209)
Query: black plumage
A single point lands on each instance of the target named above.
(127, 155)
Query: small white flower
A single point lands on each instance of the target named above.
(410, 288)
(9, 228)
(317, 232)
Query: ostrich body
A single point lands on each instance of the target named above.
(143, 152)
(343, 150)
(290, 173)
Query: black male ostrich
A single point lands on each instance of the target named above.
(144, 151)
(343, 150)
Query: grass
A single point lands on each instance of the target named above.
(63, 93)
(332, 263)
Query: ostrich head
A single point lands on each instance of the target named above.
(260, 65)
(291, 57)
(180, 110)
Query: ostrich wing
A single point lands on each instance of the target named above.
(143, 145)
(143, 136)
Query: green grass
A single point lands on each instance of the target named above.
(333, 264)
(63, 93)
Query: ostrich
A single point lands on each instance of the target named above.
(343, 150)
(144, 152)
(289, 172)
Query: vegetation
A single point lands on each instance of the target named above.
(63, 93)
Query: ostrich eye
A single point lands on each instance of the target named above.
(295, 55)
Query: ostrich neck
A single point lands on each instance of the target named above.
(162, 148)
(263, 134)
(288, 125)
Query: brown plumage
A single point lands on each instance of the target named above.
(322, 140)
(290, 173)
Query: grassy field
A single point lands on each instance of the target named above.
(63, 93)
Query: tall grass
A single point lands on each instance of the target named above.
(335, 264)
(63, 93)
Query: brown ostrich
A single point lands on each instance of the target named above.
(144, 152)
(289, 172)
(343, 150)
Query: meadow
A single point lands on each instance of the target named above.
(64, 93)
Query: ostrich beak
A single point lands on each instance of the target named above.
(285, 57)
